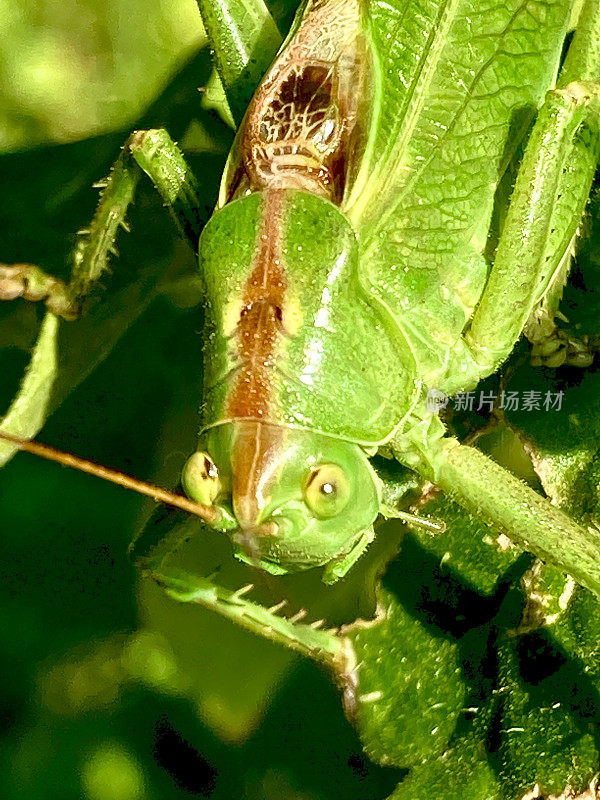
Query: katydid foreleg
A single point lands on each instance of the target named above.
(159, 157)
(156, 154)
(168, 529)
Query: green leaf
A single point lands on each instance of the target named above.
(411, 688)
(480, 673)
(461, 773)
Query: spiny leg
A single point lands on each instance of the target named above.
(159, 157)
(554, 346)
(243, 48)
(166, 531)
(547, 204)
(488, 490)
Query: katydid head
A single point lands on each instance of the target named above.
(290, 499)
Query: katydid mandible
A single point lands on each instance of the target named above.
(353, 217)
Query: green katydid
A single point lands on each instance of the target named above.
(353, 218)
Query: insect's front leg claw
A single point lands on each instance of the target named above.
(561, 348)
(32, 283)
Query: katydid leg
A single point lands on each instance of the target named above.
(163, 162)
(488, 490)
(545, 211)
(91, 252)
(547, 204)
(188, 588)
(553, 346)
(167, 531)
(243, 47)
(158, 156)
(32, 283)
(583, 58)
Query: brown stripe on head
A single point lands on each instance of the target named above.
(255, 458)
(259, 334)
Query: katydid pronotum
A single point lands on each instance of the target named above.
(353, 218)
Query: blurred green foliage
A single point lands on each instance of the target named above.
(78, 68)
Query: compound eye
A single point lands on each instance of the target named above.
(327, 490)
(200, 478)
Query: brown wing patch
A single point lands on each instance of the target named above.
(300, 125)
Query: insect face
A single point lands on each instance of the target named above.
(294, 498)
